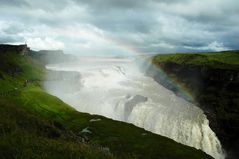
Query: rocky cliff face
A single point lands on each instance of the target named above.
(216, 91)
(18, 49)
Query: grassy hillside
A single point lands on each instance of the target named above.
(34, 124)
(213, 81)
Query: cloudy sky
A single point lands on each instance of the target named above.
(121, 26)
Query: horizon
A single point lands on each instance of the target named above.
(116, 56)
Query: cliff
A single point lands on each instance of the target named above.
(18, 49)
(213, 80)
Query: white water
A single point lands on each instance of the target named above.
(116, 89)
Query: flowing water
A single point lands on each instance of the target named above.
(115, 88)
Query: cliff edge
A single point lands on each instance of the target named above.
(213, 81)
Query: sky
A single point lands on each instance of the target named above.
(89, 27)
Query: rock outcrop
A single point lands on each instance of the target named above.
(18, 49)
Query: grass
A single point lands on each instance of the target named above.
(34, 124)
(26, 135)
(223, 60)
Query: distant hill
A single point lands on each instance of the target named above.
(52, 56)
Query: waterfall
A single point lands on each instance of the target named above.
(116, 89)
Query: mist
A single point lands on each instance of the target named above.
(118, 88)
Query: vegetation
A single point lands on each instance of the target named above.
(34, 124)
(212, 79)
(223, 60)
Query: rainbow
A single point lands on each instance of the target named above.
(183, 90)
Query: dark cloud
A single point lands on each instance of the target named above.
(112, 4)
(5, 38)
(148, 26)
(49, 6)
(127, 21)
(18, 3)
(13, 29)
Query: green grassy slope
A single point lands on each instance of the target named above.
(34, 124)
